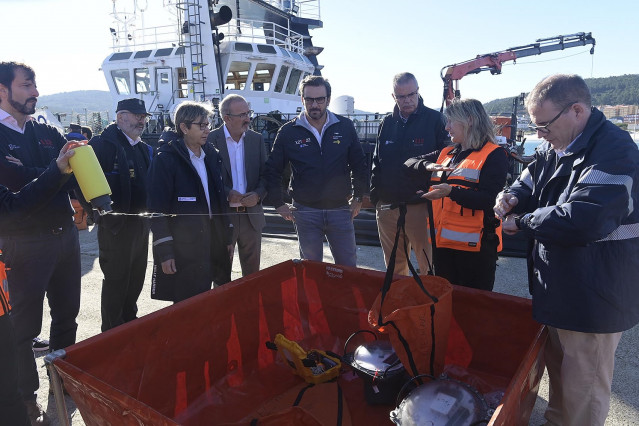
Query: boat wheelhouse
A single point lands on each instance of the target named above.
(258, 49)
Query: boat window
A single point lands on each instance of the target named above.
(265, 48)
(281, 78)
(284, 52)
(297, 56)
(120, 56)
(293, 81)
(243, 47)
(263, 77)
(163, 52)
(143, 54)
(183, 91)
(180, 50)
(122, 81)
(237, 75)
(142, 80)
(304, 74)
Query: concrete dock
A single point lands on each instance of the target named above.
(510, 279)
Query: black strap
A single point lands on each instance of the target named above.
(388, 278)
(301, 394)
(340, 405)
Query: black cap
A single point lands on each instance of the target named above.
(136, 106)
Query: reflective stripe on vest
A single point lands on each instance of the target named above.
(459, 228)
(4, 291)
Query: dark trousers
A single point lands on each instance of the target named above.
(38, 265)
(249, 243)
(123, 260)
(12, 410)
(469, 269)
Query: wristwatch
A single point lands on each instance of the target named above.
(518, 222)
(357, 199)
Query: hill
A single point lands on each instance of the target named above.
(92, 100)
(618, 90)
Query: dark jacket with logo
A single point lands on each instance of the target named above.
(582, 212)
(110, 148)
(196, 242)
(322, 177)
(39, 144)
(424, 132)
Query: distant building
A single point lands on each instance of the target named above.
(611, 111)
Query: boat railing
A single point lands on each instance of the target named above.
(250, 31)
(309, 9)
(265, 32)
(145, 38)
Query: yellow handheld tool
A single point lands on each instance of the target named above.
(314, 366)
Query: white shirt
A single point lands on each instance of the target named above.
(236, 156)
(9, 121)
(131, 141)
(312, 128)
(200, 167)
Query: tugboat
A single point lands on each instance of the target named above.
(211, 48)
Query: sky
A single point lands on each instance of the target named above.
(366, 42)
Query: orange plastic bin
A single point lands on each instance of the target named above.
(204, 361)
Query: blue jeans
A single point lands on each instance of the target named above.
(312, 225)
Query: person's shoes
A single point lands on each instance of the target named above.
(37, 416)
(40, 345)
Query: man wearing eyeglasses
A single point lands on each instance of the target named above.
(411, 130)
(243, 159)
(578, 201)
(123, 240)
(328, 175)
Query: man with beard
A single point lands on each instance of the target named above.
(411, 130)
(328, 168)
(124, 240)
(243, 157)
(42, 252)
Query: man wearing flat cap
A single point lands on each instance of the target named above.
(75, 133)
(123, 239)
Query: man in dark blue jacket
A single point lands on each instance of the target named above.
(42, 252)
(578, 200)
(328, 175)
(411, 130)
(124, 240)
(13, 206)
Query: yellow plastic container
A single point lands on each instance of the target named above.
(90, 176)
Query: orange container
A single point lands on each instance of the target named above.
(502, 125)
(204, 360)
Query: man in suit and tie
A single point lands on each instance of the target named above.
(243, 157)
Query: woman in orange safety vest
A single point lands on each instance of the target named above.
(465, 179)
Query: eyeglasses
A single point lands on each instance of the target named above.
(204, 125)
(402, 97)
(138, 117)
(544, 128)
(320, 101)
(242, 115)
